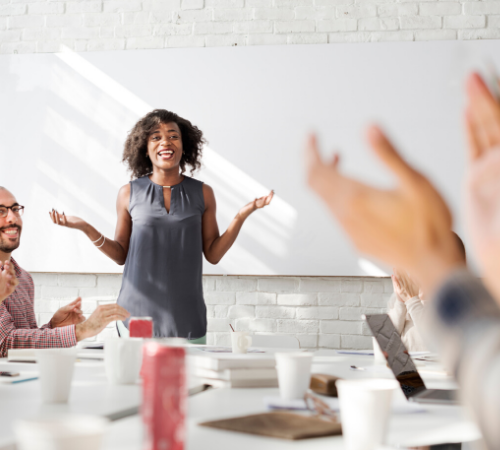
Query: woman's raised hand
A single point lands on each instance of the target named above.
(67, 221)
(258, 203)
(404, 287)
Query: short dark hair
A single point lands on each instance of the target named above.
(134, 153)
(460, 245)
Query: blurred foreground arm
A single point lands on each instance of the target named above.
(410, 227)
(483, 179)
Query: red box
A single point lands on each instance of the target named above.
(141, 327)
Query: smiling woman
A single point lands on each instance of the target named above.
(166, 222)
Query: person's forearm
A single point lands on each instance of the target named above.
(222, 244)
(464, 326)
(398, 315)
(415, 308)
(13, 338)
(112, 249)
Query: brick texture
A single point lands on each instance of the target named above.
(28, 26)
(321, 312)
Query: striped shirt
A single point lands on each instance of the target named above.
(18, 327)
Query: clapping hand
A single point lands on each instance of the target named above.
(8, 280)
(71, 314)
(258, 203)
(408, 226)
(483, 178)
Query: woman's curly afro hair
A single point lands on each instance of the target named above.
(136, 145)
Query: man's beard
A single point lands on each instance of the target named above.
(6, 246)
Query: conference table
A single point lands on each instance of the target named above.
(91, 394)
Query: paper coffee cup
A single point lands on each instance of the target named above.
(71, 432)
(56, 368)
(294, 374)
(123, 359)
(364, 410)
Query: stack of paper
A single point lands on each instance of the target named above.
(234, 370)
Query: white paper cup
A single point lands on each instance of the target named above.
(72, 432)
(123, 359)
(240, 341)
(56, 372)
(377, 353)
(294, 374)
(364, 411)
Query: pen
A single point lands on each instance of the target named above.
(357, 368)
(26, 379)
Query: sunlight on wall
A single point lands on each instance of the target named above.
(103, 81)
(83, 147)
(371, 269)
(77, 191)
(102, 110)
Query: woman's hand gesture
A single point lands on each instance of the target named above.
(258, 203)
(67, 221)
(404, 287)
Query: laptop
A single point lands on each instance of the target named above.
(401, 364)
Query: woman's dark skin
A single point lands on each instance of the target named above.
(165, 152)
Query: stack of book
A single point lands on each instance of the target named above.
(230, 370)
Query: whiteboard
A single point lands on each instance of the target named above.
(64, 118)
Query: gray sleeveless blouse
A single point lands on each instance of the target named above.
(162, 277)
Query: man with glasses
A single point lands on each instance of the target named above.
(18, 327)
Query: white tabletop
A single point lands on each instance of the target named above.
(436, 424)
(90, 394)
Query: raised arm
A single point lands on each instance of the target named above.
(116, 249)
(215, 246)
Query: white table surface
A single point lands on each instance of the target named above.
(437, 424)
(90, 394)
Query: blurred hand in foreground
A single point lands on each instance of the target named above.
(408, 226)
(483, 179)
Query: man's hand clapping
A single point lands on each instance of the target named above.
(8, 280)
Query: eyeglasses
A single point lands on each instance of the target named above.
(18, 210)
(320, 408)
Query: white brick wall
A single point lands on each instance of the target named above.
(92, 25)
(320, 312)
